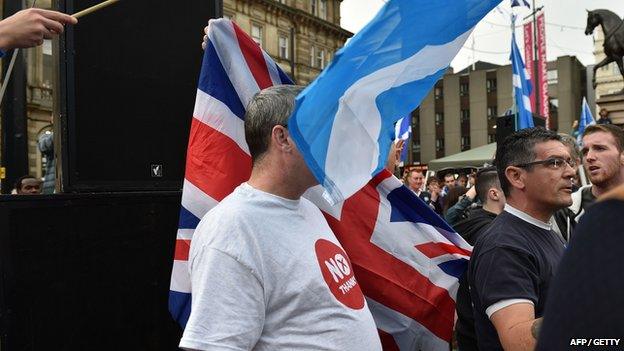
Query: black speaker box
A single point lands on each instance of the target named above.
(87, 271)
(127, 81)
(506, 125)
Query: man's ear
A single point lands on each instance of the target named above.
(493, 194)
(515, 177)
(280, 138)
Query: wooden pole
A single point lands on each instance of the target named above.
(94, 8)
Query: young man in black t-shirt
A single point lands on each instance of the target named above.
(489, 192)
(514, 261)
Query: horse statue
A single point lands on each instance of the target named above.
(613, 29)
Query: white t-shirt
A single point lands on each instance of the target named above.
(267, 273)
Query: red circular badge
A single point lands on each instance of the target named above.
(338, 274)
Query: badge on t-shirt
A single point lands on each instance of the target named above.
(338, 274)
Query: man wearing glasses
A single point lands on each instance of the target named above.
(514, 261)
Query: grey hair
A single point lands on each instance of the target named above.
(268, 108)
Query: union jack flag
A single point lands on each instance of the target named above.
(405, 257)
(234, 68)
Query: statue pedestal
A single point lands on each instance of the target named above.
(614, 103)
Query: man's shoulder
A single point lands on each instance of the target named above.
(505, 231)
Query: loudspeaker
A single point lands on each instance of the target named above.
(506, 125)
(87, 271)
(127, 79)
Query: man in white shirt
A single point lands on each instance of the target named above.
(267, 273)
(514, 261)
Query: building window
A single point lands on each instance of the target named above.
(463, 89)
(439, 118)
(416, 118)
(322, 9)
(492, 112)
(491, 138)
(439, 144)
(490, 85)
(317, 57)
(552, 76)
(283, 46)
(438, 93)
(256, 33)
(313, 6)
(416, 147)
(465, 143)
(465, 115)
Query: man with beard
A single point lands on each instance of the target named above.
(603, 159)
(514, 261)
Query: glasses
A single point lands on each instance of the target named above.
(552, 163)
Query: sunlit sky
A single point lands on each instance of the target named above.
(565, 35)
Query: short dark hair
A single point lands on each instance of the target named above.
(268, 108)
(486, 179)
(518, 148)
(617, 132)
(20, 180)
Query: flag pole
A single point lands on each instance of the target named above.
(94, 8)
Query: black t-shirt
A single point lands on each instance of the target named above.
(513, 259)
(587, 295)
(470, 229)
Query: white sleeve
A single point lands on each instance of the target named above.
(227, 305)
(504, 303)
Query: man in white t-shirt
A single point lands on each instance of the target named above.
(267, 273)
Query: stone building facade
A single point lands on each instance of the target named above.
(301, 35)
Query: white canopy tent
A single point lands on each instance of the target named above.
(475, 157)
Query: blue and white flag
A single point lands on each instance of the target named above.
(515, 3)
(522, 86)
(587, 119)
(381, 75)
(403, 131)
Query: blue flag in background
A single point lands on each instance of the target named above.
(522, 86)
(403, 131)
(344, 121)
(587, 119)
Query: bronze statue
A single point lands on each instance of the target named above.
(613, 29)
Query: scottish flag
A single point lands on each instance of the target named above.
(381, 75)
(587, 119)
(522, 86)
(403, 131)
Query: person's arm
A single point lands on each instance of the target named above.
(28, 28)
(454, 213)
(394, 156)
(517, 326)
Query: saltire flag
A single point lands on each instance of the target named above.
(381, 75)
(233, 70)
(521, 84)
(515, 3)
(587, 119)
(403, 131)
